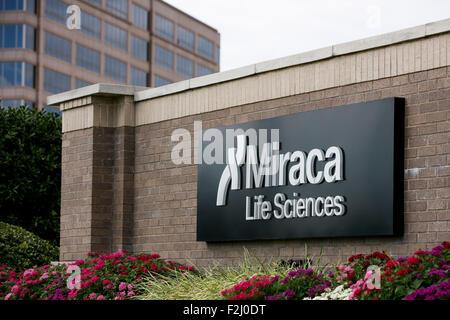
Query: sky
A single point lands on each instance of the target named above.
(259, 30)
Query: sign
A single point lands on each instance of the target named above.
(334, 172)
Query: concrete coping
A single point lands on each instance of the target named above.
(95, 89)
(141, 93)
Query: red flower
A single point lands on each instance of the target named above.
(402, 272)
(390, 264)
(419, 252)
(350, 276)
(354, 257)
(412, 260)
(446, 245)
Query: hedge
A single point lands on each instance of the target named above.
(21, 249)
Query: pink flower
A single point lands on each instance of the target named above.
(130, 287)
(122, 286)
(100, 298)
(348, 269)
(8, 296)
(92, 296)
(44, 276)
(27, 272)
(130, 293)
(122, 294)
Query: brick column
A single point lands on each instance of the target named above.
(97, 175)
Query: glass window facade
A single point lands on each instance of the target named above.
(139, 48)
(203, 71)
(164, 27)
(17, 74)
(185, 38)
(118, 7)
(14, 35)
(160, 81)
(88, 58)
(96, 2)
(163, 57)
(80, 83)
(58, 47)
(90, 25)
(185, 67)
(56, 11)
(139, 17)
(138, 77)
(18, 5)
(218, 55)
(205, 48)
(52, 110)
(15, 103)
(55, 82)
(116, 36)
(115, 69)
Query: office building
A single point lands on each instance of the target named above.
(135, 42)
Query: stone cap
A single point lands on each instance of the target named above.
(95, 89)
(143, 93)
(298, 59)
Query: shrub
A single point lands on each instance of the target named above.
(298, 284)
(101, 277)
(30, 170)
(21, 249)
(423, 275)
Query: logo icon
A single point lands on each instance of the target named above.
(74, 19)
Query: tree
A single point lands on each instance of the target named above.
(30, 170)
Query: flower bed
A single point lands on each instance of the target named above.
(424, 275)
(102, 276)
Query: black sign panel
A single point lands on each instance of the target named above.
(362, 195)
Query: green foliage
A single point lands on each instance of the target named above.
(21, 249)
(209, 282)
(30, 170)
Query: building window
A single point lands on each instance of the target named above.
(115, 69)
(30, 36)
(163, 57)
(139, 48)
(118, 7)
(56, 11)
(139, 17)
(185, 38)
(218, 55)
(55, 82)
(159, 81)
(116, 36)
(203, 71)
(80, 83)
(58, 47)
(90, 25)
(205, 48)
(96, 2)
(12, 36)
(15, 103)
(18, 5)
(16, 74)
(52, 110)
(185, 67)
(164, 28)
(138, 77)
(88, 58)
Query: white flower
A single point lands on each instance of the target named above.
(339, 293)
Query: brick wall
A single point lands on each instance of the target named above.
(97, 186)
(164, 219)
